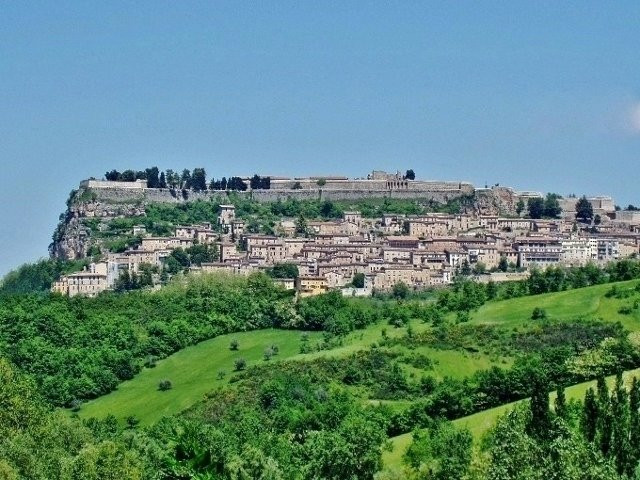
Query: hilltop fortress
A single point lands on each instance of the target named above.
(378, 184)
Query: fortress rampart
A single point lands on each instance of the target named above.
(439, 193)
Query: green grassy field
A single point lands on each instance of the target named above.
(192, 372)
(479, 423)
(563, 305)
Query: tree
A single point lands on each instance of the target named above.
(410, 175)
(503, 264)
(590, 414)
(552, 205)
(479, 268)
(634, 422)
(128, 176)
(535, 207)
(321, 182)
(301, 226)
(283, 270)
(151, 175)
(584, 210)
(560, 403)
(538, 314)
(112, 176)
(492, 290)
(165, 385)
(465, 268)
(358, 280)
(163, 181)
(539, 425)
(620, 425)
(199, 180)
(240, 364)
(172, 178)
(132, 421)
(604, 424)
(268, 353)
(185, 179)
(255, 182)
(444, 451)
(520, 206)
(400, 291)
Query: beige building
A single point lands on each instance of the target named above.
(88, 283)
(226, 216)
(541, 252)
(309, 286)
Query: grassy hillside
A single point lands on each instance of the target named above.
(193, 371)
(568, 304)
(480, 423)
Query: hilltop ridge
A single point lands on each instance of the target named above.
(128, 194)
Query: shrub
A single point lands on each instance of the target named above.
(132, 421)
(538, 314)
(75, 405)
(150, 362)
(268, 353)
(240, 364)
(221, 374)
(234, 344)
(626, 310)
(165, 385)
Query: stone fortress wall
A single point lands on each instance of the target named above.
(376, 185)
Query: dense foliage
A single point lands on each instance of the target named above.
(37, 277)
(83, 347)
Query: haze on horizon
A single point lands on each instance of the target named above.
(540, 96)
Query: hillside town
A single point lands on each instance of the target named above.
(361, 255)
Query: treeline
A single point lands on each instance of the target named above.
(195, 180)
(39, 276)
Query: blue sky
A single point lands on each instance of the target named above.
(537, 95)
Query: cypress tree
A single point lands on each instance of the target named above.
(540, 423)
(561, 403)
(589, 419)
(620, 425)
(634, 426)
(603, 425)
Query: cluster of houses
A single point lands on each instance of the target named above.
(420, 251)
